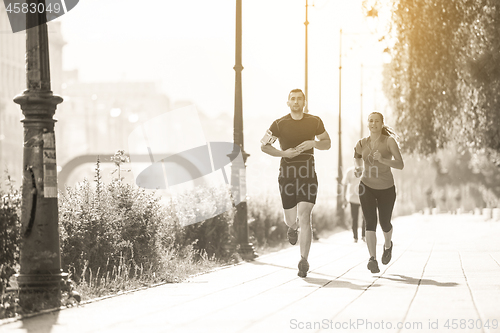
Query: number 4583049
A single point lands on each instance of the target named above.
(33, 8)
(470, 324)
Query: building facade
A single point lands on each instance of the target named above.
(96, 118)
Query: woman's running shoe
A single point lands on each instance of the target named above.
(373, 265)
(386, 257)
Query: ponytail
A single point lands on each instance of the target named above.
(386, 130)
(389, 131)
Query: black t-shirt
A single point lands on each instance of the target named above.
(291, 133)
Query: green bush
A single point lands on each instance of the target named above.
(10, 225)
(105, 225)
(266, 220)
(214, 236)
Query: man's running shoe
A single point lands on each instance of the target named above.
(386, 257)
(315, 234)
(373, 265)
(303, 268)
(292, 235)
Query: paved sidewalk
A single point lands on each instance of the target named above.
(444, 277)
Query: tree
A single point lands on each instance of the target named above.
(444, 79)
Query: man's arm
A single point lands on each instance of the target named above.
(324, 143)
(267, 146)
(270, 150)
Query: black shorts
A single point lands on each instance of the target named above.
(295, 190)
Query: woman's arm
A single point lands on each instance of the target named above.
(397, 161)
(358, 167)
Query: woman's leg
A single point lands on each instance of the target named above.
(354, 216)
(386, 200)
(369, 207)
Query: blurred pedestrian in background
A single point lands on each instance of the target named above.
(351, 195)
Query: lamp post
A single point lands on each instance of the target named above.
(40, 278)
(339, 176)
(238, 168)
(361, 101)
(340, 211)
(306, 86)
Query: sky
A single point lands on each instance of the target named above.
(188, 48)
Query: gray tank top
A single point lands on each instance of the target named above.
(375, 175)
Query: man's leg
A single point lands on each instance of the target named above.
(291, 218)
(289, 202)
(363, 228)
(304, 210)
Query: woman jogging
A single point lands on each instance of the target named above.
(374, 156)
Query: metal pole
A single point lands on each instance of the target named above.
(306, 87)
(340, 211)
(40, 278)
(361, 103)
(238, 169)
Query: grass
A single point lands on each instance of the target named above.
(171, 261)
(126, 277)
(119, 279)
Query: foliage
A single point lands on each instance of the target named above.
(118, 159)
(118, 227)
(103, 225)
(181, 263)
(213, 236)
(443, 80)
(10, 206)
(451, 178)
(266, 220)
(266, 225)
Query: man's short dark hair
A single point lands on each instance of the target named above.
(297, 90)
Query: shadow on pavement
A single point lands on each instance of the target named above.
(42, 323)
(295, 269)
(411, 280)
(337, 284)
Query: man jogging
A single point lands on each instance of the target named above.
(297, 178)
